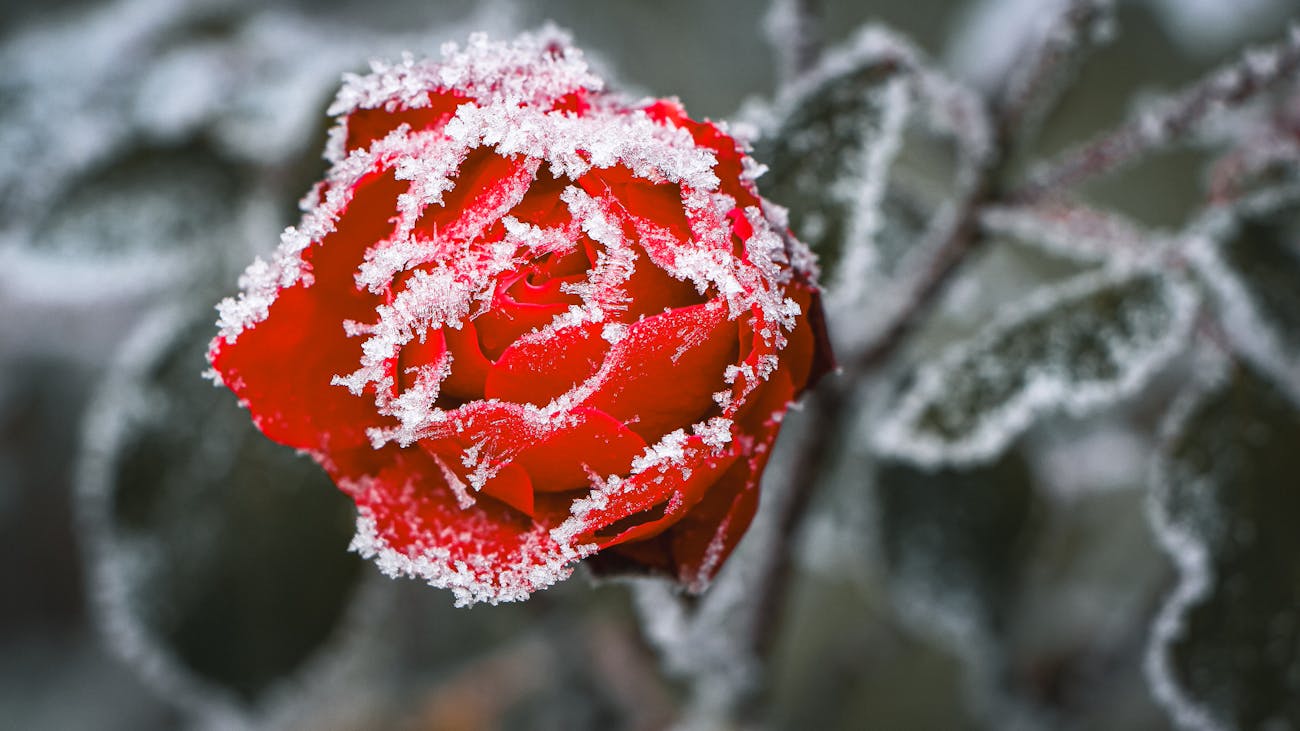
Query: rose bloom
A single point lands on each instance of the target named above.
(524, 321)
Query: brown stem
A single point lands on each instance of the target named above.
(1229, 86)
(1032, 88)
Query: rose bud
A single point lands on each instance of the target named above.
(524, 321)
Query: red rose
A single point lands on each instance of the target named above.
(523, 321)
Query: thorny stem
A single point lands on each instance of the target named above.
(1226, 87)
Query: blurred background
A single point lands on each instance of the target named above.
(163, 566)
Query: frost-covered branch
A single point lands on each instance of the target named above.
(1163, 124)
(1033, 87)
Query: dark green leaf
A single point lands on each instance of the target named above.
(1225, 651)
(221, 557)
(1088, 342)
(1255, 276)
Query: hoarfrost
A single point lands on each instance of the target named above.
(1075, 231)
(903, 146)
(1076, 346)
(1251, 268)
(477, 577)
(1222, 651)
(156, 541)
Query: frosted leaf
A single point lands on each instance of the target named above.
(149, 219)
(953, 545)
(872, 152)
(62, 112)
(1075, 231)
(1075, 347)
(217, 560)
(1225, 648)
(1252, 267)
(828, 136)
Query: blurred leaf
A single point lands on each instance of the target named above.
(221, 558)
(1225, 651)
(1254, 273)
(1091, 341)
(954, 544)
(956, 535)
(833, 141)
(148, 202)
(872, 152)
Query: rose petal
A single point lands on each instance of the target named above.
(595, 443)
(469, 367)
(541, 205)
(365, 126)
(487, 186)
(513, 487)
(648, 503)
(536, 369)
(413, 522)
(730, 169)
(661, 375)
(506, 322)
(282, 367)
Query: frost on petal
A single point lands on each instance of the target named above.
(1224, 651)
(549, 320)
(1074, 347)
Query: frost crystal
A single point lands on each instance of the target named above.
(1075, 347)
(540, 261)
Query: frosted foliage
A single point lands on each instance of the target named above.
(1073, 347)
(1225, 648)
(1074, 231)
(872, 152)
(1252, 268)
(952, 544)
(155, 127)
(448, 277)
(182, 501)
(136, 225)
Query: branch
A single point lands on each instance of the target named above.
(1230, 86)
(1033, 87)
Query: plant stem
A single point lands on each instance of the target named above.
(1229, 86)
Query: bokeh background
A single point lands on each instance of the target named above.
(162, 566)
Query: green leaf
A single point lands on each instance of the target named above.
(1225, 650)
(834, 140)
(1077, 346)
(954, 545)
(955, 538)
(872, 152)
(1253, 269)
(219, 557)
